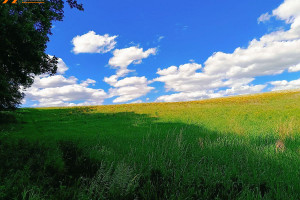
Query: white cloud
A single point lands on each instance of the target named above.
(264, 17)
(111, 80)
(288, 11)
(243, 89)
(187, 96)
(272, 54)
(53, 81)
(129, 93)
(62, 96)
(58, 90)
(295, 68)
(122, 58)
(93, 43)
(129, 88)
(61, 66)
(186, 78)
(285, 85)
(137, 101)
(260, 58)
(87, 82)
(131, 81)
(206, 94)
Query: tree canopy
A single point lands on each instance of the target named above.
(24, 34)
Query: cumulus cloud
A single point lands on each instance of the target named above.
(63, 96)
(58, 90)
(61, 66)
(53, 81)
(122, 58)
(129, 93)
(288, 11)
(186, 78)
(271, 54)
(129, 88)
(93, 43)
(285, 85)
(87, 82)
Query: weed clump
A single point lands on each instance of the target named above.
(280, 147)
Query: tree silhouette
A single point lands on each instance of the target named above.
(24, 33)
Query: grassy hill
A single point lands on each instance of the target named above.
(244, 147)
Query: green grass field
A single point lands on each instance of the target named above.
(245, 147)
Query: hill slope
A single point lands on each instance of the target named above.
(244, 147)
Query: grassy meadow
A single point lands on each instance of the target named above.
(244, 147)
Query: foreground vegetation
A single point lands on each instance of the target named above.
(244, 147)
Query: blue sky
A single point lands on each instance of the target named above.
(120, 51)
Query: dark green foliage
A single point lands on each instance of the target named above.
(24, 33)
(7, 117)
(10, 95)
(76, 162)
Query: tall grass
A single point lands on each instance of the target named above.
(224, 148)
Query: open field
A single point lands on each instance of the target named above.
(245, 147)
